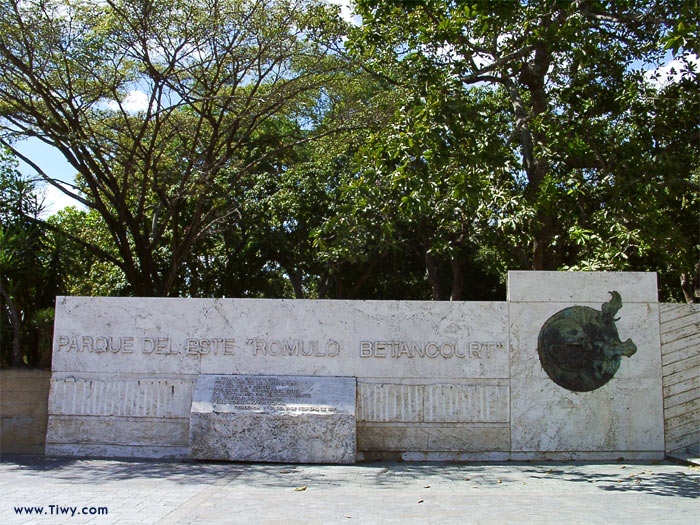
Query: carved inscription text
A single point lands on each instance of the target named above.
(278, 348)
(261, 393)
(432, 349)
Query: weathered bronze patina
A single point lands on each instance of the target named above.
(580, 348)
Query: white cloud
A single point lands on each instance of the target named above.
(134, 102)
(347, 11)
(55, 200)
(672, 71)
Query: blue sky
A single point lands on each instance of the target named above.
(55, 165)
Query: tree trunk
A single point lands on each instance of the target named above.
(295, 278)
(432, 270)
(323, 286)
(534, 144)
(338, 286)
(691, 290)
(542, 254)
(365, 277)
(457, 281)
(16, 357)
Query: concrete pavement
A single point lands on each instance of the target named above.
(189, 492)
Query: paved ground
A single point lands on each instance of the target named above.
(178, 492)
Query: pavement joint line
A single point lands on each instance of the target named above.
(201, 496)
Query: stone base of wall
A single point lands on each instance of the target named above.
(23, 410)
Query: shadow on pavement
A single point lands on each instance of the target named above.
(665, 479)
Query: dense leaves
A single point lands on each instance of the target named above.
(267, 148)
(32, 270)
(213, 76)
(574, 157)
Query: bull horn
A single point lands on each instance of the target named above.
(612, 306)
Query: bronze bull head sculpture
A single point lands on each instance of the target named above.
(579, 347)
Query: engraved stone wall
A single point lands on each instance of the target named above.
(385, 402)
(131, 415)
(158, 397)
(163, 336)
(429, 418)
(125, 362)
(435, 380)
(453, 402)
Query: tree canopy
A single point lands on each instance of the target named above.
(547, 98)
(268, 148)
(217, 77)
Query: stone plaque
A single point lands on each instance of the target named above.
(298, 419)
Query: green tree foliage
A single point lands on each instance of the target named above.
(212, 74)
(31, 271)
(422, 179)
(442, 144)
(578, 175)
(87, 273)
(644, 212)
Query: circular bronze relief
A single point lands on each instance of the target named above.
(579, 347)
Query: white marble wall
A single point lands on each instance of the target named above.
(435, 380)
(247, 336)
(117, 414)
(623, 417)
(120, 362)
